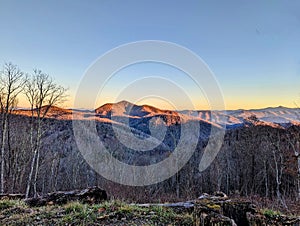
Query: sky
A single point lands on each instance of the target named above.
(252, 47)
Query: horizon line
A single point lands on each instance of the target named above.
(151, 105)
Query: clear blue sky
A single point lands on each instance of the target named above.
(253, 47)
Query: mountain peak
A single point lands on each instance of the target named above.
(124, 103)
(128, 109)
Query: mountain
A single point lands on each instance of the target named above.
(272, 116)
(127, 109)
(118, 113)
(52, 112)
(234, 118)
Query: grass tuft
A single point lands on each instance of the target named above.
(270, 213)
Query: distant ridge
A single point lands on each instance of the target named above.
(271, 116)
(53, 111)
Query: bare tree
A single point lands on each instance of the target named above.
(297, 155)
(279, 167)
(42, 93)
(296, 149)
(12, 80)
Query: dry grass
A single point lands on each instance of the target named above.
(75, 213)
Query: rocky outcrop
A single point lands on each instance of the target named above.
(219, 210)
(262, 220)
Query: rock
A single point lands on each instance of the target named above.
(212, 218)
(204, 196)
(256, 219)
(216, 196)
(220, 194)
(217, 210)
(238, 211)
(92, 195)
(259, 219)
(39, 201)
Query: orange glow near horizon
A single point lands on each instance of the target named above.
(235, 104)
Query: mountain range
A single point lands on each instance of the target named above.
(114, 112)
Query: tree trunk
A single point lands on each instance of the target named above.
(36, 173)
(30, 174)
(297, 154)
(266, 179)
(3, 138)
(277, 176)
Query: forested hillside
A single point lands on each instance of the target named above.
(254, 160)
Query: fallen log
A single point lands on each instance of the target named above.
(89, 195)
(12, 196)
